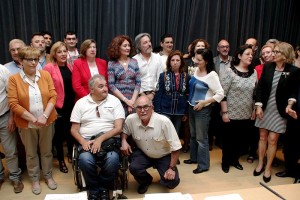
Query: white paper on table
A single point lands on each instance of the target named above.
(164, 196)
(225, 197)
(76, 196)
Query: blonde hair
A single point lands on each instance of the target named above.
(29, 51)
(54, 49)
(287, 50)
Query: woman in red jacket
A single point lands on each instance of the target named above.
(85, 67)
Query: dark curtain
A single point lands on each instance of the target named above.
(234, 20)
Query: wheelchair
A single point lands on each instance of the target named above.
(120, 182)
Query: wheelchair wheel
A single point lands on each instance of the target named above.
(77, 174)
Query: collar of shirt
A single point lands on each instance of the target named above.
(225, 62)
(90, 99)
(150, 124)
(23, 75)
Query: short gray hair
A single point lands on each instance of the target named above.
(93, 78)
(137, 40)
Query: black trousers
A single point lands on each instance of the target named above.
(235, 138)
(140, 162)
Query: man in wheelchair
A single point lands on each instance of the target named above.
(96, 119)
(157, 145)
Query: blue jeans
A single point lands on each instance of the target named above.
(176, 121)
(199, 148)
(104, 179)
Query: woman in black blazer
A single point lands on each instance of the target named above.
(271, 100)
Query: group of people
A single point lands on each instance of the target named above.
(145, 101)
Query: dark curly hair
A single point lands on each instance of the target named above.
(235, 60)
(194, 43)
(208, 57)
(113, 50)
(174, 53)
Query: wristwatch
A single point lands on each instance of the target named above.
(173, 168)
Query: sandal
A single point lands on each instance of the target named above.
(250, 159)
(62, 166)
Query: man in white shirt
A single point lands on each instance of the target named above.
(166, 43)
(71, 42)
(97, 114)
(157, 145)
(150, 65)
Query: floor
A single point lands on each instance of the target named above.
(212, 181)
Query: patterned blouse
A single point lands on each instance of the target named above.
(126, 81)
(238, 90)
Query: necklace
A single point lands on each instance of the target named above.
(124, 63)
(33, 80)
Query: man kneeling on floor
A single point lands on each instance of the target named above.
(98, 112)
(157, 145)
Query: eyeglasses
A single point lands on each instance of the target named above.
(140, 108)
(276, 52)
(223, 46)
(97, 111)
(32, 59)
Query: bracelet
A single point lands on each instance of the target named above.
(124, 99)
(45, 116)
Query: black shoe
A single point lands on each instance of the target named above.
(255, 173)
(104, 195)
(225, 168)
(92, 197)
(297, 180)
(283, 174)
(238, 166)
(266, 179)
(198, 170)
(189, 161)
(142, 189)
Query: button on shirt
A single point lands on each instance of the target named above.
(150, 71)
(85, 113)
(157, 139)
(35, 98)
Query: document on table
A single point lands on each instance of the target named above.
(168, 196)
(225, 197)
(76, 196)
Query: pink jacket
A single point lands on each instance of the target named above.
(54, 71)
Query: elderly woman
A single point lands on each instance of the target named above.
(61, 74)
(266, 54)
(171, 97)
(124, 79)
(32, 98)
(205, 88)
(271, 99)
(85, 67)
(238, 82)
